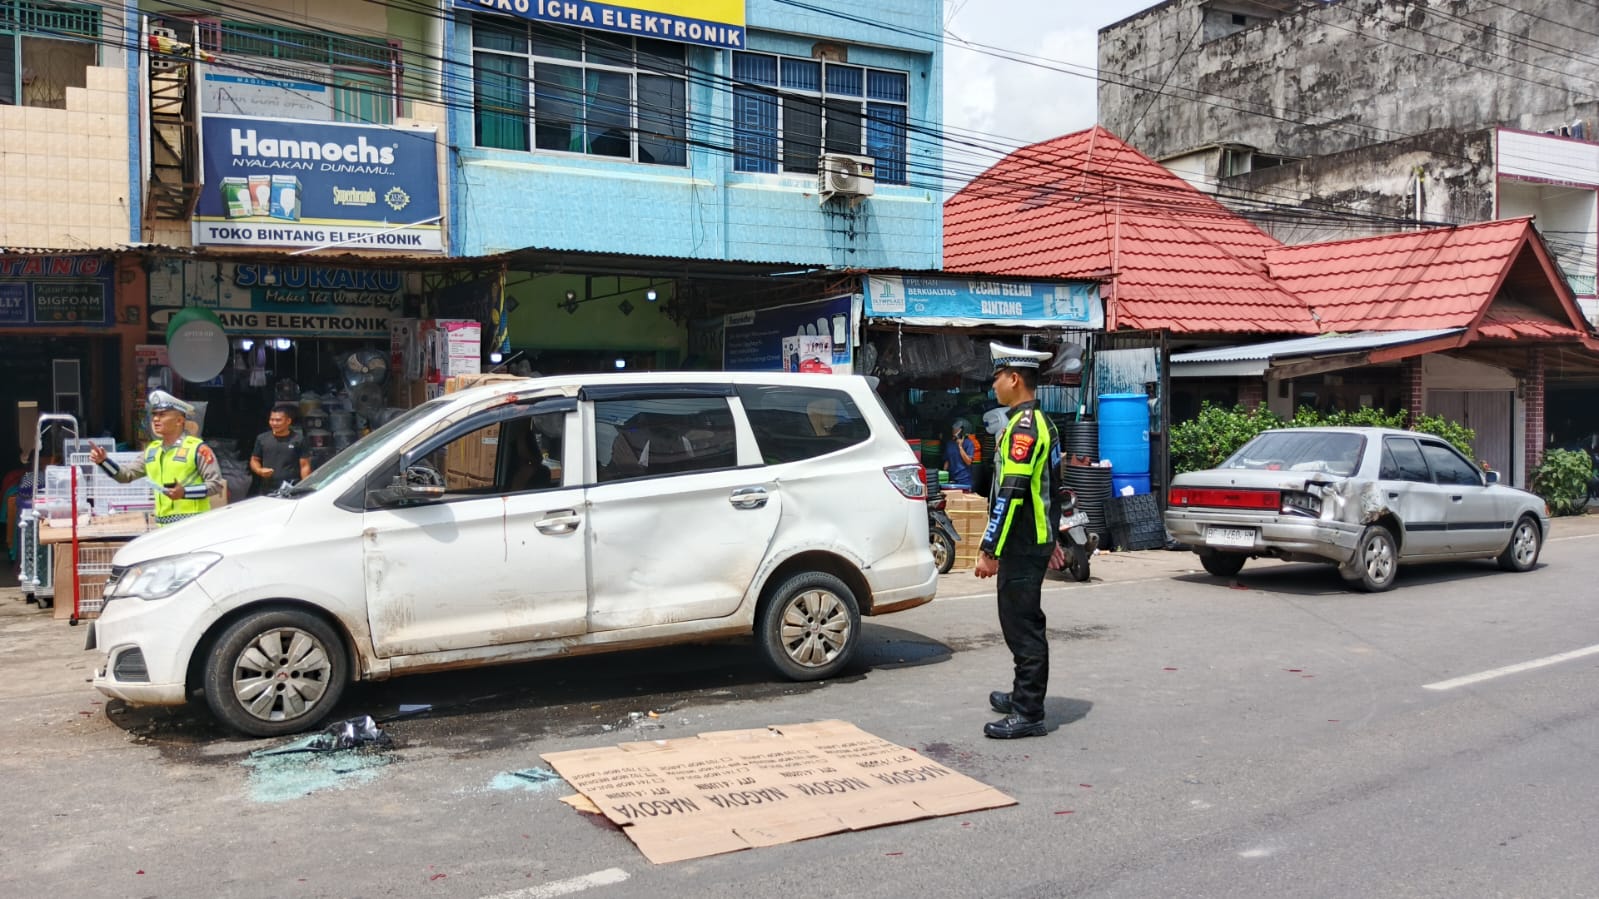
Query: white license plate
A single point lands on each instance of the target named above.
(1230, 536)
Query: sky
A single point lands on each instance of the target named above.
(1012, 103)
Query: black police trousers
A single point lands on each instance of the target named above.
(1021, 620)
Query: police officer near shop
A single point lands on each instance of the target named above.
(1022, 521)
(184, 470)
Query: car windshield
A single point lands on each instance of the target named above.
(359, 450)
(1309, 451)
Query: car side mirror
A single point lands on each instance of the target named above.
(412, 487)
(1492, 476)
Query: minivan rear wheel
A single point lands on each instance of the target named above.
(810, 627)
(275, 672)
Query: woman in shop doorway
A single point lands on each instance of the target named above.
(280, 453)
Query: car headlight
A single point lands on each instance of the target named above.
(160, 578)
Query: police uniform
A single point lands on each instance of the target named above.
(1023, 517)
(188, 462)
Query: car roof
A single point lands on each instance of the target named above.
(1361, 431)
(572, 383)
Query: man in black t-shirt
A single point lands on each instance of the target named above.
(280, 454)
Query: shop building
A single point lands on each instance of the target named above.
(1476, 323)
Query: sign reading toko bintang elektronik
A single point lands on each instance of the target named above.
(286, 183)
(713, 23)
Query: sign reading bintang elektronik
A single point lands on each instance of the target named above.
(287, 183)
(713, 23)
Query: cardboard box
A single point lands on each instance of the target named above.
(731, 790)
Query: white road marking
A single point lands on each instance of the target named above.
(1257, 853)
(566, 887)
(1481, 676)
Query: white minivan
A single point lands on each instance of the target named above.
(531, 518)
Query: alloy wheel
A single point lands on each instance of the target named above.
(1379, 556)
(1525, 544)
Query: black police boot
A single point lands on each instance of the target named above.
(1000, 702)
(1013, 726)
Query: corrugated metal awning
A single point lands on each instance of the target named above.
(1256, 358)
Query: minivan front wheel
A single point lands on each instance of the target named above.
(810, 627)
(275, 672)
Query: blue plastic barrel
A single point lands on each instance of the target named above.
(1124, 432)
(1139, 483)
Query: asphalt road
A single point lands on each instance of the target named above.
(1275, 736)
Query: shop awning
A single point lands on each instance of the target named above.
(1307, 355)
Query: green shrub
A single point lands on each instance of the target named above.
(1561, 480)
(1218, 432)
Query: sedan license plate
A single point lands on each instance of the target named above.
(1244, 537)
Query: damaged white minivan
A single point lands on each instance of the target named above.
(525, 519)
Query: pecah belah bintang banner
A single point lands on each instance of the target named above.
(712, 23)
(946, 300)
(285, 183)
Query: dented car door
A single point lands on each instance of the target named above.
(500, 557)
(1406, 489)
(680, 527)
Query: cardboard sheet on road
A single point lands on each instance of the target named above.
(730, 790)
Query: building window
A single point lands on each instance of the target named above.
(788, 111)
(45, 48)
(572, 91)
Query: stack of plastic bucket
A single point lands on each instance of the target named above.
(1124, 439)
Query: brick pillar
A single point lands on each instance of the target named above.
(1415, 390)
(1251, 392)
(1532, 397)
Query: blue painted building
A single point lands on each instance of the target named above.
(576, 126)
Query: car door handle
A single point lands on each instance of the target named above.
(1393, 496)
(1456, 498)
(564, 521)
(748, 498)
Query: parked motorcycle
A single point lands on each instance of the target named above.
(941, 530)
(1074, 542)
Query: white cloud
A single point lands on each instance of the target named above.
(1009, 101)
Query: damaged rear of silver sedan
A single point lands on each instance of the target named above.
(1363, 499)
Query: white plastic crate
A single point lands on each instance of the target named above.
(104, 494)
(95, 558)
(91, 595)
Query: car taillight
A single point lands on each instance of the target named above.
(1222, 498)
(909, 480)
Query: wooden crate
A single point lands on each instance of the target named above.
(969, 513)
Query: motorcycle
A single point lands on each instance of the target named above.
(1074, 544)
(941, 530)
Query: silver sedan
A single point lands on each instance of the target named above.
(1364, 499)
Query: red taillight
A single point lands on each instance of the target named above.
(909, 480)
(936, 502)
(1223, 498)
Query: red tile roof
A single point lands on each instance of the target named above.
(1086, 205)
(1506, 320)
(1439, 278)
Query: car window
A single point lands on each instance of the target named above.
(1402, 461)
(793, 423)
(650, 437)
(1447, 465)
(511, 451)
(1309, 451)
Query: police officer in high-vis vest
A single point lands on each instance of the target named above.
(184, 470)
(1024, 515)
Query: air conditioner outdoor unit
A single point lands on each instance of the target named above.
(843, 175)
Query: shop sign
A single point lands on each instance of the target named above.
(712, 23)
(282, 183)
(958, 301)
(807, 337)
(269, 300)
(55, 291)
(280, 90)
